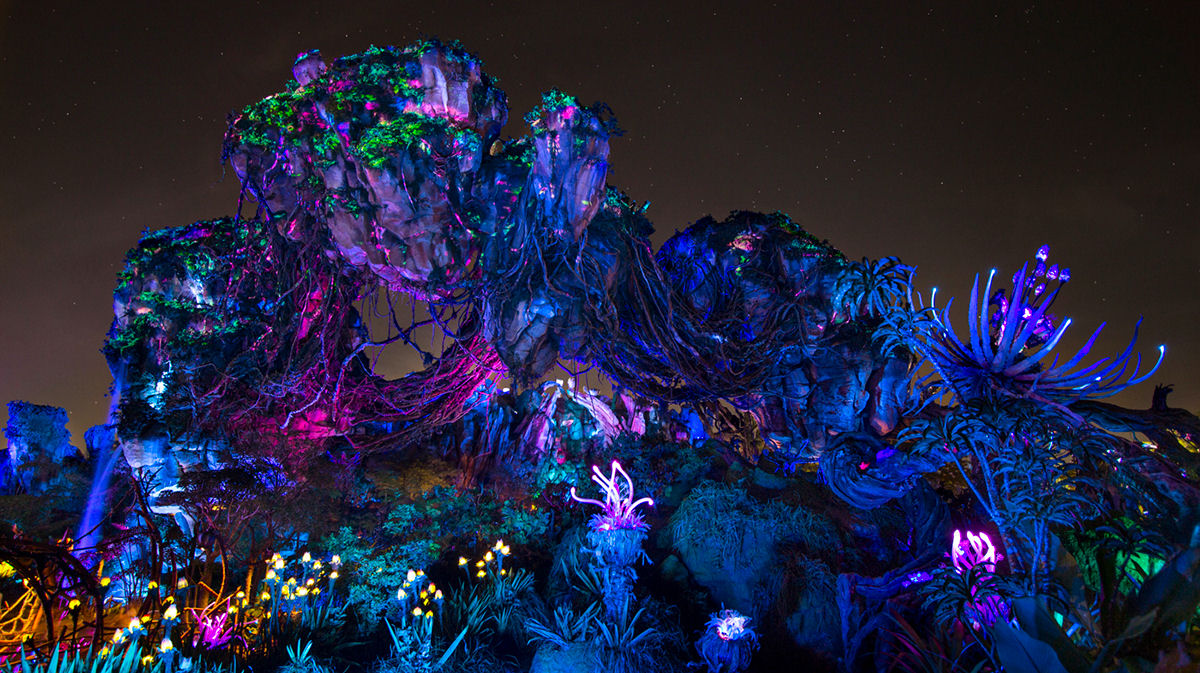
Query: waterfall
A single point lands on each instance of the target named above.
(105, 452)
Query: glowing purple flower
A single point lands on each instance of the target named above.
(977, 549)
(978, 552)
(214, 630)
(618, 509)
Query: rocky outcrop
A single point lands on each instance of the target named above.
(38, 443)
(387, 169)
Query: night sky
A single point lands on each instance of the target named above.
(955, 138)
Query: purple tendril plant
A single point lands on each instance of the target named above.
(618, 510)
(974, 554)
(976, 550)
(214, 630)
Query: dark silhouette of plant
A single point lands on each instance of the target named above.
(869, 289)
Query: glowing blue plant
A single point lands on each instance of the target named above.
(728, 642)
(619, 509)
(1004, 350)
(616, 536)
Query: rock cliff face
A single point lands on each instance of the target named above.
(386, 172)
(385, 152)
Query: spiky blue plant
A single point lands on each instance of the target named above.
(1004, 351)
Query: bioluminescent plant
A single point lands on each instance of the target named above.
(976, 550)
(618, 511)
(974, 560)
(728, 642)
(730, 625)
(1004, 351)
(214, 629)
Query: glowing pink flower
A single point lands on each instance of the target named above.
(975, 550)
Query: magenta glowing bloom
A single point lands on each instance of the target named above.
(976, 550)
(618, 510)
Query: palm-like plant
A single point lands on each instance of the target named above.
(869, 289)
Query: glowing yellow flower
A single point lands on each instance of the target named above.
(171, 612)
(302, 591)
(432, 587)
(479, 564)
(306, 558)
(412, 576)
(105, 581)
(489, 557)
(166, 645)
(271, 575)
(336, 560)
(401, 594)
(182, 583)
(74, 604)
(148, 659)
(333, 575)
(265, 596)
(481, 573)
(151, 586)
(462, 560)
(416, 612)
